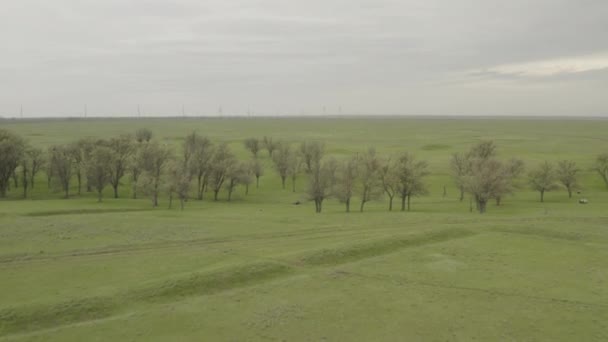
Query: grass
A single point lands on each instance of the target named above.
(260, 268)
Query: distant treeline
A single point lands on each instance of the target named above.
(201, 166)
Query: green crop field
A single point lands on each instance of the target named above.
(261, 268)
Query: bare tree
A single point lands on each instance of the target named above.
(12, 149)
(513, 170)
(143, 135)
(37, 160)
(61, 165)
(178, 183)
(485, 179)
(30, 164)
(200, 162)
(294, 167)
(409, 174)
(483, 150)
(311, 152)
(567, 174)
(281, 159)
(390, 181)
(543, 179)
(253, 145)
(321, 181)
(237, 174)
(460, 165)
(156, 159)
(122, 149)
(601, 167)
(98, 169)
(258, 171)
(369, 177)
(78, 158)
(269, 145)
(345, 181)
(221, 163)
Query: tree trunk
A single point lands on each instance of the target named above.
(115, 190)
(390, 203)
(67, 191)
(320, 205)
(246, 189)
(362, 205)
(471, 204)
(24, 182)
(283, 182)
(445, 191)
(569, 193)
(257, 182)
(461, 194)
(403, 202)
(498, 200)
(134, 190)
(170, 201)
(229, 195)
(199, 187)
(408, 202)
(542, 196)
(99, 195)
(347, 205)
(482, 206)
(215, 192)
(79, 179)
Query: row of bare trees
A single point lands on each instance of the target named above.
(152, 168)
(484, 177)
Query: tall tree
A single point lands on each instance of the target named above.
(253, 145)
(222, 162)
(345, 181)
(12, 149)
(369, 177)
(567, 174)
(543, 179)
(98, 169)
(61, 164)
(122, 149)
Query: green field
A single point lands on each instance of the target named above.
(261, 268)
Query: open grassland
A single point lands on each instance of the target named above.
(261, 268)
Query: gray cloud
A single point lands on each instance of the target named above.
(440, 57)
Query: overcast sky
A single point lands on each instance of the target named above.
(431, 57)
